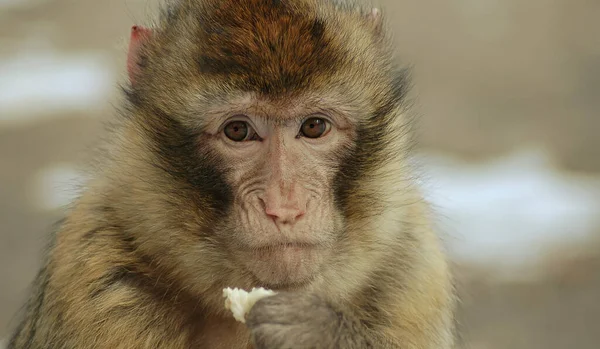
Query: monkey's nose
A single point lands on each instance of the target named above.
(281, 214)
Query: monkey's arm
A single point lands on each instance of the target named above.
(118, 321)
(296, 320)
(89, 295)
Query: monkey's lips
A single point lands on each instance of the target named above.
(284, 265)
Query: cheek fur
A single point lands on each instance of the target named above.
(197, 171)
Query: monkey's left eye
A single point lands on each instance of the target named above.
(314, 128)
(239, 131)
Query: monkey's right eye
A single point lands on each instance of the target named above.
(239, 131)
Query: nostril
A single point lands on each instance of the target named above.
(272, 216)
(284, 214)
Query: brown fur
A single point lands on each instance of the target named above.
(140, 261)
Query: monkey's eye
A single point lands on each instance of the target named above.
(314, 128)
(239, 131)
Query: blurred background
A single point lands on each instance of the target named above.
(509, 93)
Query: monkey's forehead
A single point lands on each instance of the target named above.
(267, 46)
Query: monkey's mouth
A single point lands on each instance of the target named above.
(295, 254)
(284, 263)
(292, 246)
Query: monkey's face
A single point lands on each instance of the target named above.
(280, 163)
(272, 126)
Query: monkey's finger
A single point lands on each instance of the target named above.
(270, 314)
(278, 336)
(275, 309)
(288, 308)
(267, 336)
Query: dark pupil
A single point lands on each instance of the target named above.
(313, 128)
(236, 131)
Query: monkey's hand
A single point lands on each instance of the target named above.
(302, 320)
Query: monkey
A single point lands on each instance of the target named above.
(260, 143)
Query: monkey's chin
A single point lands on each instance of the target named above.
(286, 266)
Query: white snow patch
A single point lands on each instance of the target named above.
(38, 83)
(508, 213)
(56, 186)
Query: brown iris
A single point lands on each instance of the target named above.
(314, 128)
(237, 131)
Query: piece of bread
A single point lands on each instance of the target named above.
(240, 302)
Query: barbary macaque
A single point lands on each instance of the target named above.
(261, 143)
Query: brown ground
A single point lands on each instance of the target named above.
(491, 76)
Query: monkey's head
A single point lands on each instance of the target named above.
(273, 140)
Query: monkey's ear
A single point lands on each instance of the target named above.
(374, 17)
(138, 35)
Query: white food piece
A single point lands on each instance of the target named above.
(240, 302)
